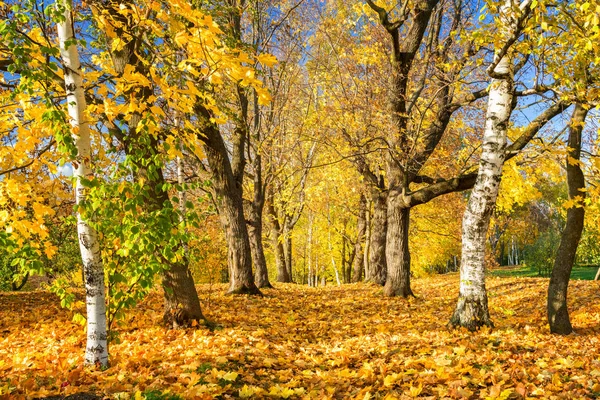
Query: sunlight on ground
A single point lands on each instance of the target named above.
(300, 342)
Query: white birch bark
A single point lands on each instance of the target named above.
(96, 352)
(472, 307)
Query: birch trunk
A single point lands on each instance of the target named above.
(558, 313)
(472, 307)
(96, 352)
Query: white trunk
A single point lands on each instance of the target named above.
(472, 309)
(96, 352)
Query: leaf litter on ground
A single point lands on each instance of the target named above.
(324, 343)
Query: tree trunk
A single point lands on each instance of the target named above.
(181, 308)
(472, 307)
(287, 247)
(182, 305)
(397, 252)
(255, 227)
(276, 241)
(361, 228)
(558, 313)
(96, 351)
(377, 270)
(231, 208)
(367, 240)
(261, 274)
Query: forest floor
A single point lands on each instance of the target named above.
(300, 342)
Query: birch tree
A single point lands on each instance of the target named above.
(96, 351)
(472, 307)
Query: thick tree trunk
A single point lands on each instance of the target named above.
(472, 307)
(231, 208)
(96, 351)
(558, 313)
(377, 270)
(261, 274)
(182, 305)
(358, 266)
(397, 252)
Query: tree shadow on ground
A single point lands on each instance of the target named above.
(76, 396)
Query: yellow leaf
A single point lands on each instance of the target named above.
(247, 391)
(415, 391)
(556, 380)
(267, 59)
(230, 376)
(391, 379)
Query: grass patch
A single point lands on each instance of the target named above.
(579, 272)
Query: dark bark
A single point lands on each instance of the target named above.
(396, 249)
(287, 248)
(261, 274)
(182, 305)
(558, 313)
(228, 196)
(255, 227)
(377, 270)
(277, 244)
(358, 266)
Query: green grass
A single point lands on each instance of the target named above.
(579, 272)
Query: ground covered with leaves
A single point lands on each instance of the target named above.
(300, 342)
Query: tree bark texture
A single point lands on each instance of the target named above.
(277, 244)
(255, 227)
(472, 307)
(558, 313)
(261, 274)
(377, 270)
(96, 352)
(358, 266)
(231, 208)
(396, 249)
(287, 250)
